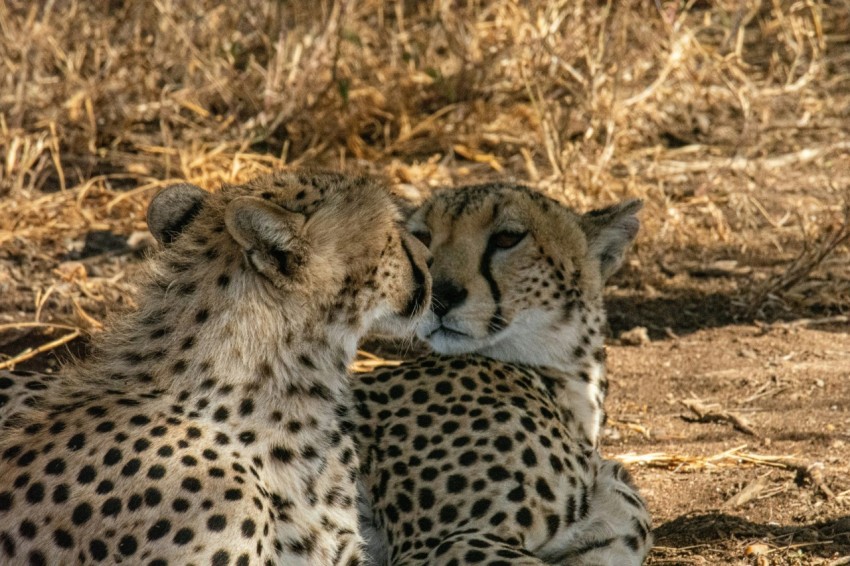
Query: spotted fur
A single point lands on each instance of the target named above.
(485, 452)
(211, 425)
(20, 390)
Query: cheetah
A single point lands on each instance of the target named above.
(485, 452)
(19, 390)
(212, 424)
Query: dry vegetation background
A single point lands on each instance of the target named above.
(730, 118)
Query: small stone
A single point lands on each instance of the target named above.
(757, 549)
(637, 336)
(747, 353)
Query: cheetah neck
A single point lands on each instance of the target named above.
(571, 359)
(178, 342)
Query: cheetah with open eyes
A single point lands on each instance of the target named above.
(211, 426)
(485, 452)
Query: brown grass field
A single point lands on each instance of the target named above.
(731, 119)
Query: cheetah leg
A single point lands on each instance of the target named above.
(617, 531)
(20, 390)
(377, 546)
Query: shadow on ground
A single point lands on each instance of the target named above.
(690, 532)
(685, 311)
(682, 313)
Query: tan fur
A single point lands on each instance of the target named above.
(549, 310)
(485, 451)
(211, 425)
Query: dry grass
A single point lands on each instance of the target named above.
(799, 270)
(729, 118)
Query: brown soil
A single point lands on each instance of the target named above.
(789, 381)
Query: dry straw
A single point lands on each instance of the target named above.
(729, 118)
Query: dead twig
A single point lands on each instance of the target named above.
(24, 356)
(804, 471)
(367, 361)
(809, 259)
(769, 388)
(751, 491)
(742, 164)
(19, 325)
(814, 473)
(713, 413)
(807, 322)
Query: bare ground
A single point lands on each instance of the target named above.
(717, 502)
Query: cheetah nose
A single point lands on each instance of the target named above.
(446, 296)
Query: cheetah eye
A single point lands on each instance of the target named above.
(505, 240)
(423, 236)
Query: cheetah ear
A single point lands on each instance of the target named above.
(173, 209)
(269, 236)
(609, 233)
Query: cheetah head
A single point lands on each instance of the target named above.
(517, 276)
(323, 248)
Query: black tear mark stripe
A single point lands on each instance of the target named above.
(178, 226)
(497, 321)
(418, 298)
